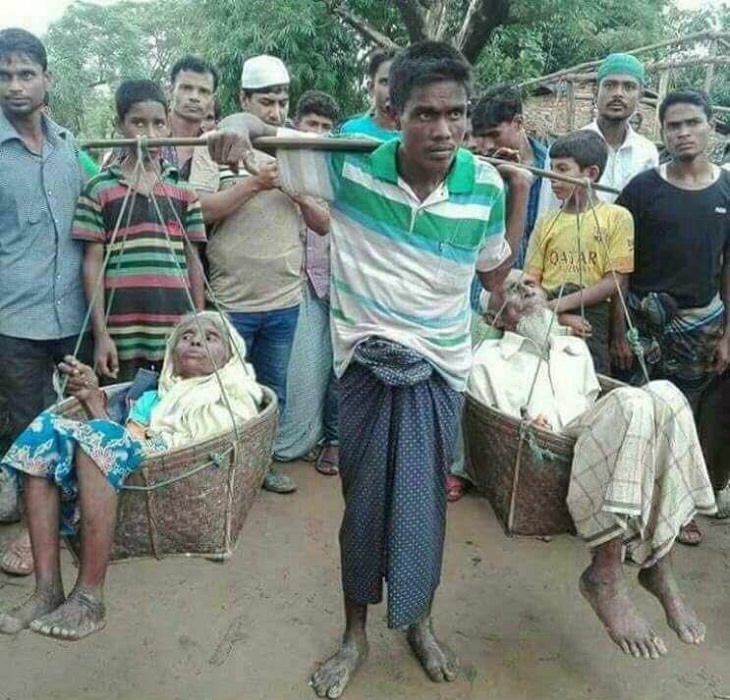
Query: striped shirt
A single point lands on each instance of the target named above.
(401, 267)
(146, 276)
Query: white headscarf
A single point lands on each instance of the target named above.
(196, 408)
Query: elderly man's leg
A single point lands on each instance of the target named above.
(42, 506)
(659, 581)
(83, 612)
(603, 586)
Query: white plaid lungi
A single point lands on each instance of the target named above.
(638, 471)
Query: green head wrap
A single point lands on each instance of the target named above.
(622, 64)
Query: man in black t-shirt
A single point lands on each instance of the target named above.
(681, 281)
(679, 292)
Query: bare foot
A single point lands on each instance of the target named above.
(438, 661)
(660, 582)
(723, 503)
(631, 632)
(331, 679)
(18, 557)
(82, 614)
(43, 600)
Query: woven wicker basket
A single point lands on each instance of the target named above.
(192, 501)
(523, 473)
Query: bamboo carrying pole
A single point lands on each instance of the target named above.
(320, 143)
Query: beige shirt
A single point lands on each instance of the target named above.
(566, 385)
(256, 253)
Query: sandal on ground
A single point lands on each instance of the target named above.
(454, 488)
(690, 534)
(327, 466)
(278, 483)
(18, 558)
(312, 455)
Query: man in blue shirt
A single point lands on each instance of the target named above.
(41, 291)
(379, 122)
(498, 128)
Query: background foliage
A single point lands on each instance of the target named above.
(91, 48)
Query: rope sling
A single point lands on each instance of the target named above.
(527, 434)
(127, 207)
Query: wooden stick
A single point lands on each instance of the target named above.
(322, 143)
(699, 36)
(659, 66)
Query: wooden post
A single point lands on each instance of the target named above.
(662, 93)
(570, 92)
(710, 70)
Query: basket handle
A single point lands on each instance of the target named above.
(216, 460)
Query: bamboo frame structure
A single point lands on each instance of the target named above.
(319, 143)
(722, 37)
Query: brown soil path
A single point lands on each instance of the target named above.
(253, 628)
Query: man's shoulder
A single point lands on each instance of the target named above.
(643, 180)
(643, 143)
(486, 175)
(615, 212)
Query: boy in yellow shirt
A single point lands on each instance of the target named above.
(587, 246)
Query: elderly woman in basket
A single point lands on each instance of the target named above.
(75, 468)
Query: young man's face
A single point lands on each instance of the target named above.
(314, 123)
(618, 97)
(191, 95)
(502, 135)
(568, 166)
(148, 119)
(23, 85)
(379, 87)
(433, 124)
(271, 105)
(686, 131)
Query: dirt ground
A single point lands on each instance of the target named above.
(255, 627)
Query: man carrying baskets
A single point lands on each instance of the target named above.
(410, 223)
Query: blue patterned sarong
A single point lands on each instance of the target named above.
(47, 447)
(398, 424)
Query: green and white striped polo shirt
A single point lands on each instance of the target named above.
(401, 267)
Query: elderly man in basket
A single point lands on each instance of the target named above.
(637, 476)
(74, 468)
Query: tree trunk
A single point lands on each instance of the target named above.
(481, 19)
(412, 16)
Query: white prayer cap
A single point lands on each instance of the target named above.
(262, 71)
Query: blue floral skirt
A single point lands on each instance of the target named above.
(47, 447)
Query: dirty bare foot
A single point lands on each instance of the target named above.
(631, 632)
(660, 582)
(723, 503)
(18, 557)
(82, 614)
(438, 661)
(44, 600)
(331, 679)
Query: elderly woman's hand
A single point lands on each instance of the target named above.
(83, 385)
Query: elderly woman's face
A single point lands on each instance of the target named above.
(200, 349)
